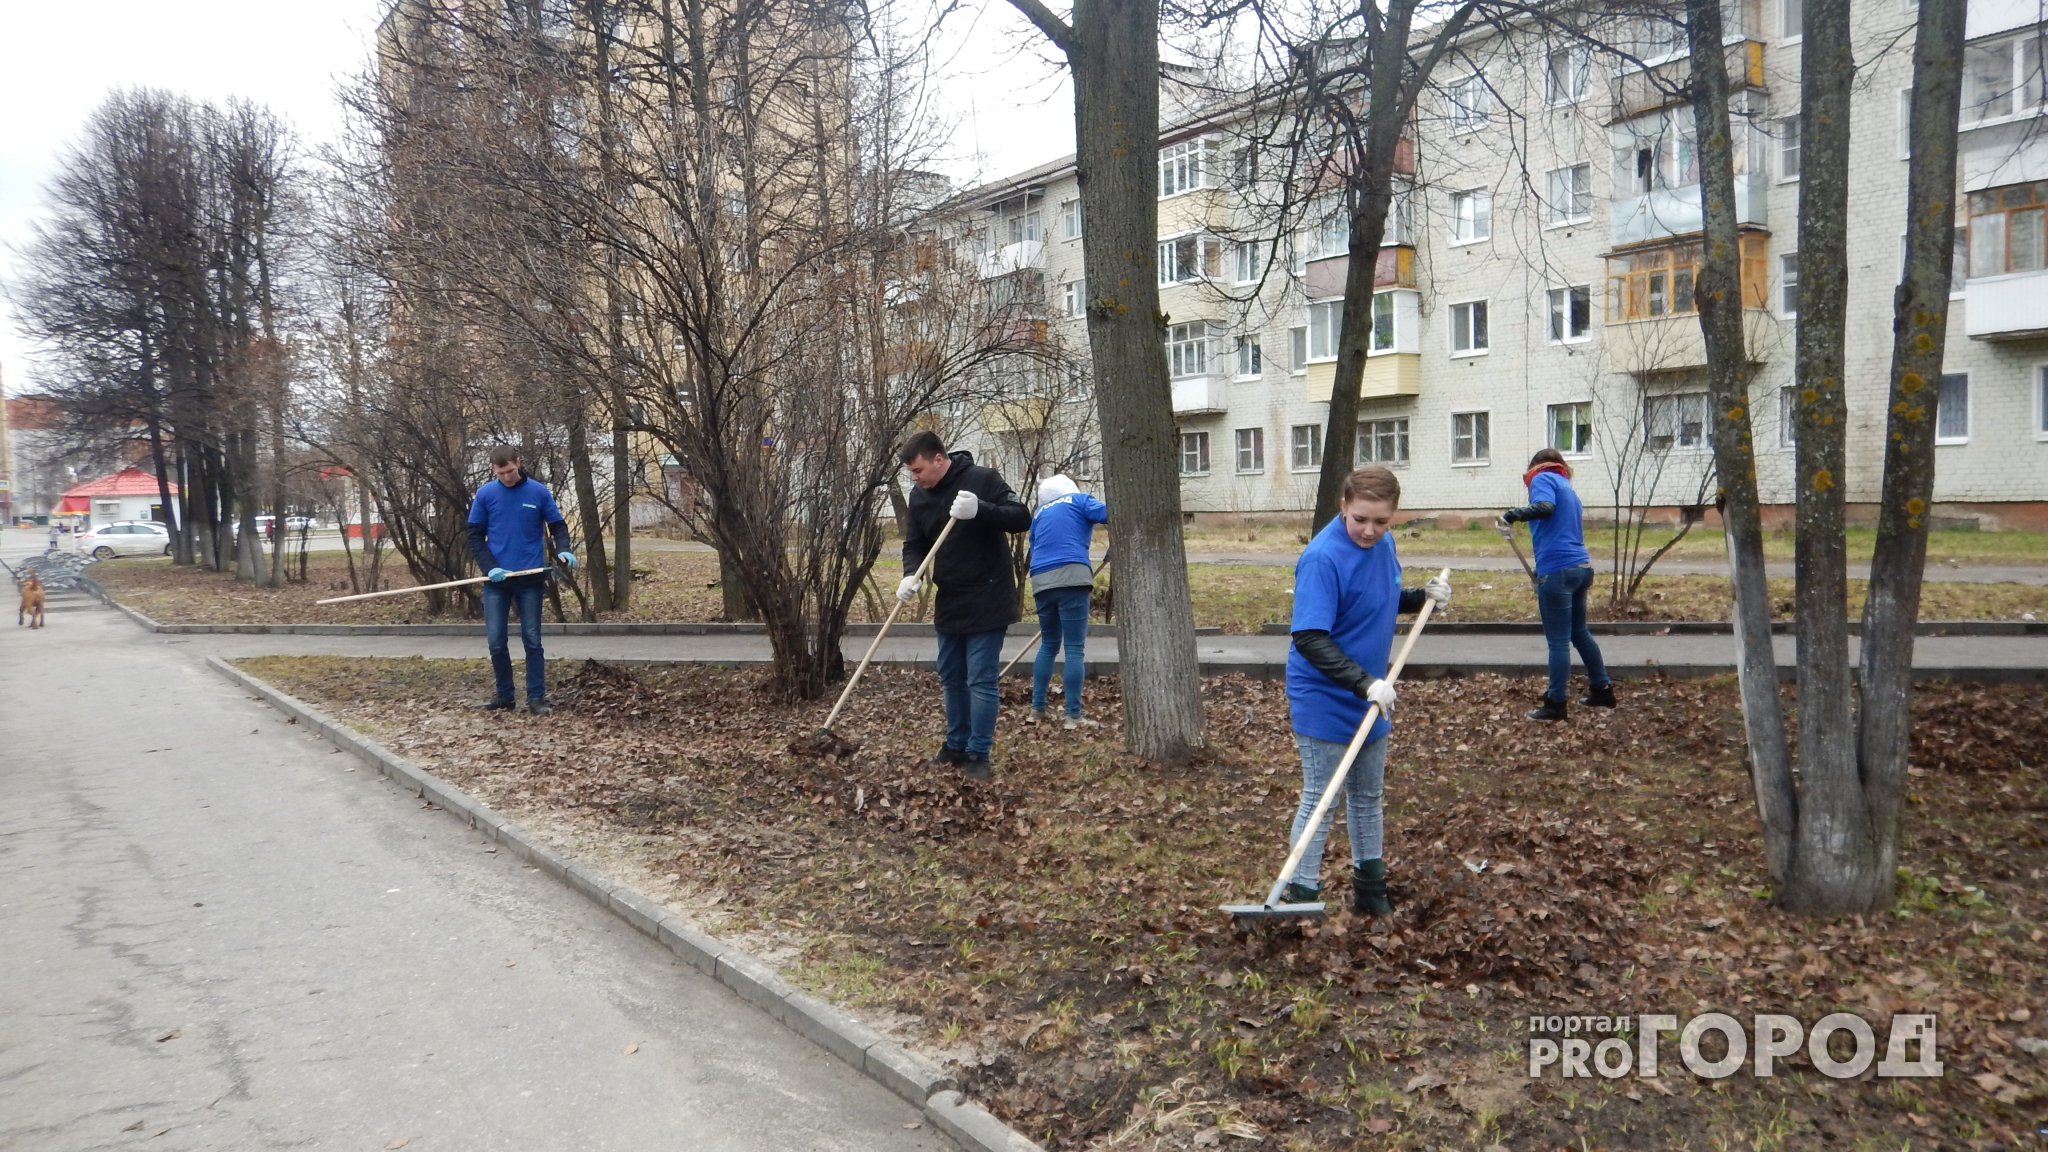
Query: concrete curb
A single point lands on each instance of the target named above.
(911, 1077)
(1707, 628)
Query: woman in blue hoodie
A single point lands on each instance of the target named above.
(1564, 572)
(1062, 582)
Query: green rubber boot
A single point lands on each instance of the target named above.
(1369, 890)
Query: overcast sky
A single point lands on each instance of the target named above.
(1011, 109)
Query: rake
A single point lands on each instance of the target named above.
(825, 742)
(425, 587)
(1273, 909)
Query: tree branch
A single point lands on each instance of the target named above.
(1055, 29)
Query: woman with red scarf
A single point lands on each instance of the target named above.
(1564, 573)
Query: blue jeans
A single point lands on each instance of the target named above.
(498, 601)
(1363, 791)
(968, 664)
(1062, 618)
(1561, 601)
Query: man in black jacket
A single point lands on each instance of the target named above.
(977, 599)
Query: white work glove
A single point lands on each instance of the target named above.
(1381, 693)
(906, 590)
(1438, 590)
(965, 505)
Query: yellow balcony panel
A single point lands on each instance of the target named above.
(1026, 414)
(1392, 374)
(1201, 210)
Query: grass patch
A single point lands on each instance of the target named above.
(1052, 935)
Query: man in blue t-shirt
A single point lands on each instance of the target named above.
(1347, 591)
(508, 523)
(1564, 574)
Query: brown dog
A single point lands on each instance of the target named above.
(31, 603)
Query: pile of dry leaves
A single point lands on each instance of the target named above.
(1054, 934)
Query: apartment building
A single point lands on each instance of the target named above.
(1535, 288)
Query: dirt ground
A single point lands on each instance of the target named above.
(1053, 935)
(681, 586)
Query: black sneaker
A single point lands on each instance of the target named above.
(496, 704)
(1601, 696)
(977, 767)
(1369, 890)
(948, 755)
(538, 707)
(1548, 710)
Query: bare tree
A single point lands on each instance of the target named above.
(1112, 50)
(1831, 828)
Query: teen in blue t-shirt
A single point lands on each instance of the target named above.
(1347, 591)
(1564, 574)
(508, 523)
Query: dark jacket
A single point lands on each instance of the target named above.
(977, 591)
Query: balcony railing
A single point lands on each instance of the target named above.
(2009, 307)
(1199, 395)
(1678, 211)
(1013, 258)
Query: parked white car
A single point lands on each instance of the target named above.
(126, 538)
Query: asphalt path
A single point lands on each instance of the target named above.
(218, 933)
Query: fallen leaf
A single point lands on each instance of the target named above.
(914, 1124)
(133, 1127)
(1659, 1085)
(1423, 1083)
(399, 1142)
(511, 963)
(629, 1049)
(173, 1034)
(1379, 1125)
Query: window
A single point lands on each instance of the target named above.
(1567, 73)
(1305, 447)
(1952, 410)
(1329, 235)
(1251, 449)
(1074, 298)
(1571, 196)
(1571, 313)
(1383, 322)
(1180, 168)
(1788, 148)
(1791, 18)
(2041, 402)
(1471, 215)
(1788, 284)
(2002, 78)
(1024, 228)
(1325, 321)
(2007, 230)
(1676, 423)
(1249, 360)
(1194, 453)
(1070, 219)
(1471, 437)
(1659, 37)
(1298, 348)
(1470, 103)
(1468, 328)
(1250, 260)
(1383, 441)
(1571, 428)
(1788, 417)
(1186, 258)
(1906, 123)
(1187, 349)
(1656, 152)
(1657, 282)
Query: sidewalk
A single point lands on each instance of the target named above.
(218, 936)
(1983, 658)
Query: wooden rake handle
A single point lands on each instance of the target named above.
(1336, 785)
(877, 641)
(425, 587)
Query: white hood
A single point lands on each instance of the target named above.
(1053, 487)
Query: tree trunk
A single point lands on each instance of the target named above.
(1835, 851)
(1718, 296)
(1113, 50)
(587, 511)
(1919, 335)
(622, 508)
